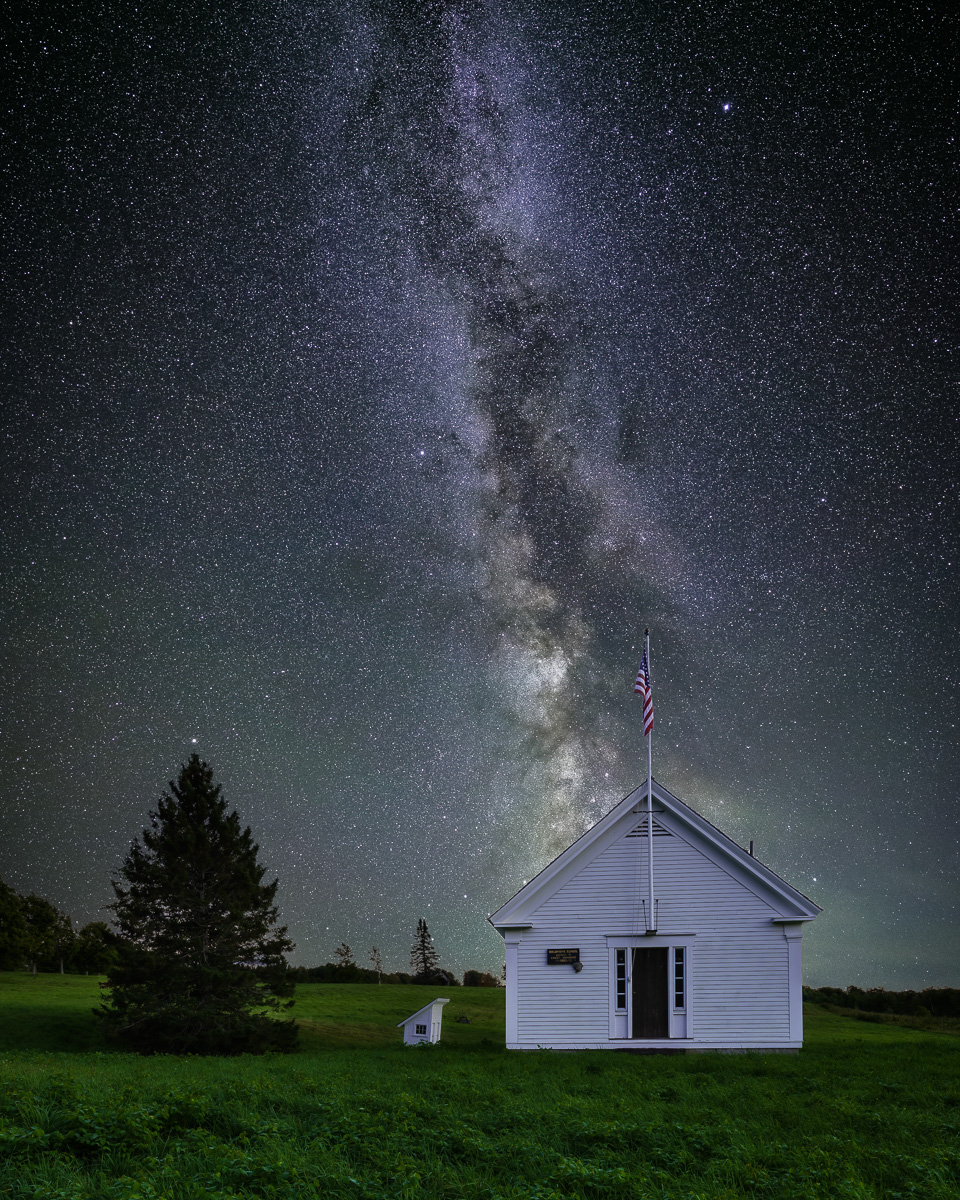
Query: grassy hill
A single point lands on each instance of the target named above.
(54, 1012)
(864, 1112)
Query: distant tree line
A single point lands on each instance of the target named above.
(36, 936)
(424, 967)
(339, 973)
(931, 1002)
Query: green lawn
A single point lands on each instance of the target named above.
(364, 1015)
(865, 1111)
(49, 1012)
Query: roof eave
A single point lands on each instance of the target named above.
(512, 913)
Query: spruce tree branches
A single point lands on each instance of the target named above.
(202, 965)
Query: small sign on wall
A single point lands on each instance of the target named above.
(565, 958)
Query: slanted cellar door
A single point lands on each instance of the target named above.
(651, 992)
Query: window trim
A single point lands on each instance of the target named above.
(620, 978)
(678, 955)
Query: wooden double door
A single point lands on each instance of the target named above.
(651, 992)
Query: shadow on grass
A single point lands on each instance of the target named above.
(25, 1027)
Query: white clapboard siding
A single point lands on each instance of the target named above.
(695, 896)
(738, 924)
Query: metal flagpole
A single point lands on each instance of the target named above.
(644, 688)
(651, 918)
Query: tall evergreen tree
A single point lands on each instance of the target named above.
(201, 966)
(424, 959)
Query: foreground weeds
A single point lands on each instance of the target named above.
(865, 1112)
(845, 1120)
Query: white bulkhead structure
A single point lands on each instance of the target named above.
(424, 1024)
(718, 969)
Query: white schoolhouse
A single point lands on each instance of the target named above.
(715, 966)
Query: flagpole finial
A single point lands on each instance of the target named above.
(646, 633)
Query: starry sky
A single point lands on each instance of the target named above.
(374, 374)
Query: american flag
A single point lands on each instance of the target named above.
(643, 688)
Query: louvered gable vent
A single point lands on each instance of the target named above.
(641, 830)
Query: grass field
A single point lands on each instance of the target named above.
(865, 1111)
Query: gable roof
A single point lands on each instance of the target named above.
(674, 816)
(427, 1008)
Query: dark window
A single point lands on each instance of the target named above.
(679, 979)
(621, 979)
(421, 1029)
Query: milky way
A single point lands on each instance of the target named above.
(435, 117)
(375, 375)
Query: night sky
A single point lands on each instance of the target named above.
(372, 376)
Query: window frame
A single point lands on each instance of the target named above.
(678, 986)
